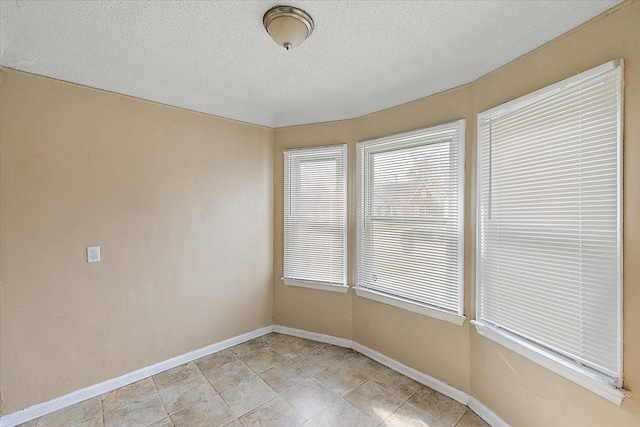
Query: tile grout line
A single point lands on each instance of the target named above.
(224, 402)
(404, 400)
(200, 400)
(391, 391)
(288, 388)
(237, 418)
(337, 361)
(289, 359)
(153, 380)
(358, 409)
(461, 415)
(101, 409)
(342, 397)
(279, 394)
(343, 361)
(267, 401)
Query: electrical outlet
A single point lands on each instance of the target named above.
(93, 254)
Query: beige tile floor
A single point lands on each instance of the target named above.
(274, 380)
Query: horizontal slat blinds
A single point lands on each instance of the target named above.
(315, 215)
(549, 249)
(410, 216)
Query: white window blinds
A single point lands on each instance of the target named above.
(549, 221)
(315, 215)
(410, 217)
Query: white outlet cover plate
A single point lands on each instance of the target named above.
(93, 254)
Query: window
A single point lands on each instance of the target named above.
(315, 218)
(549, 259)
(410, 220)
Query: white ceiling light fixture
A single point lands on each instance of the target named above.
(288, 26)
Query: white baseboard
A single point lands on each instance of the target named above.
(340, 342)
(474, 404)
(422, 378)
(40, 409)
(418, 376)
(485, 413)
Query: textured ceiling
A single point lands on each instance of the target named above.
(215, 56)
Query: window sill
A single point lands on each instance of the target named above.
(411, 306)
(554, 363)
(323, 286)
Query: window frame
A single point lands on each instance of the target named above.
(316, 284)
(457, 318)
(537, 353)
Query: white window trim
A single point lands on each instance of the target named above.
(544, 357)
(456, 318)
(532, 97)
(556, 364)
(310, 284)
(415, 307)
(327, 286)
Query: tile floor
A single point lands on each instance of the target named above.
(274, 380)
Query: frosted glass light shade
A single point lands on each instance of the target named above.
(288, 26)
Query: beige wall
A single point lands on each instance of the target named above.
(521, 392)
(181, 205)
(317, 311)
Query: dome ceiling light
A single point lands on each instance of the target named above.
(288, 26)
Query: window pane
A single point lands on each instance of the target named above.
(548, 267)
(414, 182)
(410, 217)
(314, 221)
